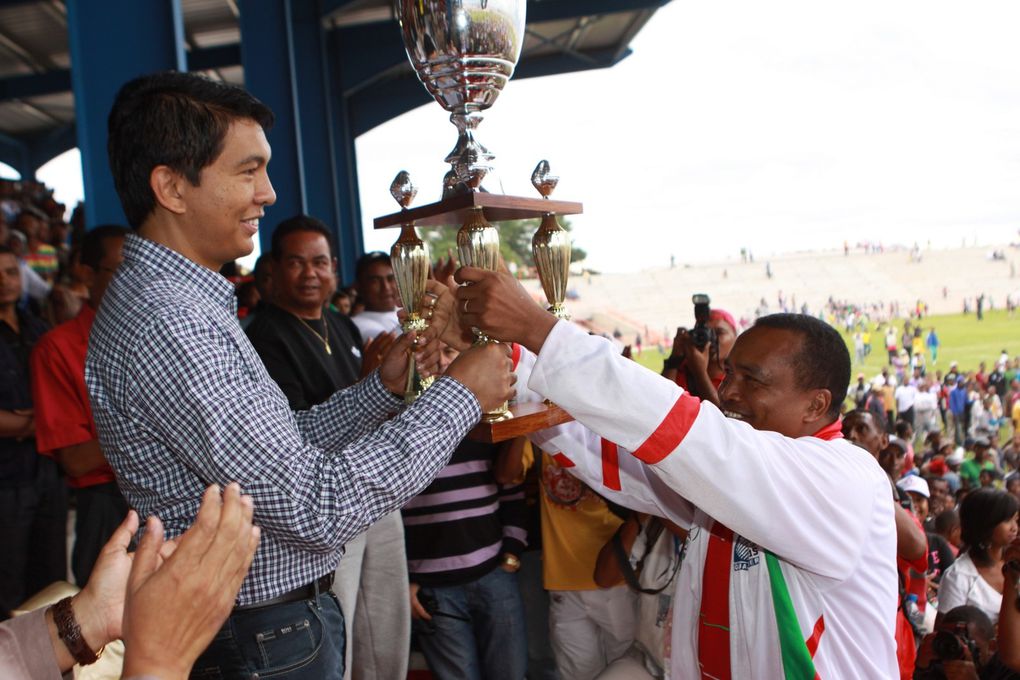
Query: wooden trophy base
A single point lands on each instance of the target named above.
(496, 207)
(527, 418)
(453, 211)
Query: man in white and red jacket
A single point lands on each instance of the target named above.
(790, 566)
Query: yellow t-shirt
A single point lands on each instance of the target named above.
(889, 398)
(576, 523)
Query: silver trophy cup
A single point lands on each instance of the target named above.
(464, 52)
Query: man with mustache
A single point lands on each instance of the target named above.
(789, 568)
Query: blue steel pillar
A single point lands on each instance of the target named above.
(112, 42)
(345, 163)
(284, 66)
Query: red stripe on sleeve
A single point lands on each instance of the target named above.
(610, 465)
(671, 431)
(562, 460)
(816, 636)
(515, 355)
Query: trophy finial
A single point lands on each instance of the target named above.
(542, 180)
(403, 190)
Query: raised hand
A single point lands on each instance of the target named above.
(174, 610)
(374, 350)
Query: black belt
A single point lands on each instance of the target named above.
(308, 591)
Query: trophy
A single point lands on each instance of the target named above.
(409, 257)
(478, 246)
(464, 52)
(550, 246)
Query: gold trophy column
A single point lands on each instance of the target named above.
(478, 246)
(409, 257)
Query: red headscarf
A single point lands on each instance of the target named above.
(722, 315)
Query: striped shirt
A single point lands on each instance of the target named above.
(181, 400)
(457, 530)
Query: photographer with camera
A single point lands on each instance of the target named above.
(691, 370)
(962, 647)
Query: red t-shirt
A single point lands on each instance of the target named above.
(906, 647)
(63, 416)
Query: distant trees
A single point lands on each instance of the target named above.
(514, 241)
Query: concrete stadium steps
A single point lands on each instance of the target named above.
(661, 298)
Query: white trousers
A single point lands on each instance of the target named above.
(589, 629)
(371, 583)
(628, 667)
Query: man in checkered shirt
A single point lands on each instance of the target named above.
(181, 400)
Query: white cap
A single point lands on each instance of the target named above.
(915, 484)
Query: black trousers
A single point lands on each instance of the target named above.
(100, 511)
(33, 533)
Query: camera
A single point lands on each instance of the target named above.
(950, 645)
(701, 334)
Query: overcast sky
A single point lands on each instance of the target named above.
(778, 126)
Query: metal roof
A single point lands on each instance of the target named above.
(35, 84)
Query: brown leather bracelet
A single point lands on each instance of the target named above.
(70, 633)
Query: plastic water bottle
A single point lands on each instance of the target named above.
(913, 612)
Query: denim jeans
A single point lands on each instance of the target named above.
(490, 645)
(301, 640)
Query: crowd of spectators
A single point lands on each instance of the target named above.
(950, 442)
(492, 560)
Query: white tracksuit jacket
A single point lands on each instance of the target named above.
(813, 584)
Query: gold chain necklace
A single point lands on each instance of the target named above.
(324, 339)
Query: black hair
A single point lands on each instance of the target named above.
(980, 512)
(946, 520)
(175, 119)
(858, 413)
(902, 427)
(970, 614)
(7, 250)
(367, 260)
(823, 361)
(299, 223)
(93, 246)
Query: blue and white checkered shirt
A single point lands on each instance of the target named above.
(181, 401)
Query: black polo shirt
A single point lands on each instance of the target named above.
(295, 355)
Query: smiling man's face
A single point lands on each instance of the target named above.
(303, 273)
(224, 209)
(761, 383)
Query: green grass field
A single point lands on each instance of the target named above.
(964, 340)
